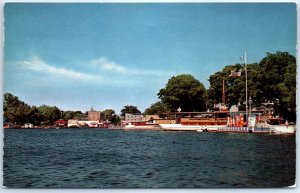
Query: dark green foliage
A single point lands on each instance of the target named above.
(49, 114)
(183, 91)
(72, 115)
(129, 109)
(156, 108)
(274, 68)
(16, 111)
(107, 114)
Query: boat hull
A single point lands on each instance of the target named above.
(142, 127)
(279, 129)
(180, 127)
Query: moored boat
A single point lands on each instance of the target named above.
(197, 121)
(276, 125)
(93, 125)
(142, 126)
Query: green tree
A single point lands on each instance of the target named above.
(156, 108)
(115, 119)
(288, 93)
(279, 78)
(107, 114)
(129, 109)
(72, 115)
(49, 114)
(68, 115)
(183, 91)
(16, 111)
(34, 116)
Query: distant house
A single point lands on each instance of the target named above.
(151, 117)
(73, 123)
(133, 117)
(60, 123)
(92, 120)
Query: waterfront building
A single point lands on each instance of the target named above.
(60, 123)
(73, 123)
(151, 118)
(94, 115)
(92, 119)
(129, 117)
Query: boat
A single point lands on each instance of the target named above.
(198, 128)
(197, 121)
(93, 125)
(142, 126)
(276, 125)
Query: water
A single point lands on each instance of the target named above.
(102, 158)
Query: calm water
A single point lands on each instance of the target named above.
(102, 158)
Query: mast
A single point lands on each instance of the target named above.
(245, 57)
(223, 94)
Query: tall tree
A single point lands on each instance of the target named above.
(49, 114)
(107, 114)
(274, 68)
(129, 109)
(183, 91)
(156, 108)
(279, 78)
(16, 111)
(288, 93)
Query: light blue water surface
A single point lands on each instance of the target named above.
(103, 158)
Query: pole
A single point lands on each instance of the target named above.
(223, 94)
(245, 57)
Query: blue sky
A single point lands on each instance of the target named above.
(76, 56)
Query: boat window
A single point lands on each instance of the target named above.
(275, 121)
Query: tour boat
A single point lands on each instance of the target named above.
(181, 127)
(197, 121)
(142, 126)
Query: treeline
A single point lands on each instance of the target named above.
(18, 112)
(271, 80)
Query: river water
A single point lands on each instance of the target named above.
(103, 158)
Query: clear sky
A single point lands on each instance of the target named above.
(76, 56)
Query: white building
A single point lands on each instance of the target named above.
(133, 117)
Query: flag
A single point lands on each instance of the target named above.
(235, 73)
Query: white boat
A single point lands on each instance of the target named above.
(199, 128)
(276, 125)
(142, 126)
(93, 125)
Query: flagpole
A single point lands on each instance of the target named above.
(245, 57)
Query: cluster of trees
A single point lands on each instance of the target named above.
(182, 91)
(18, 112)
(273, 80)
